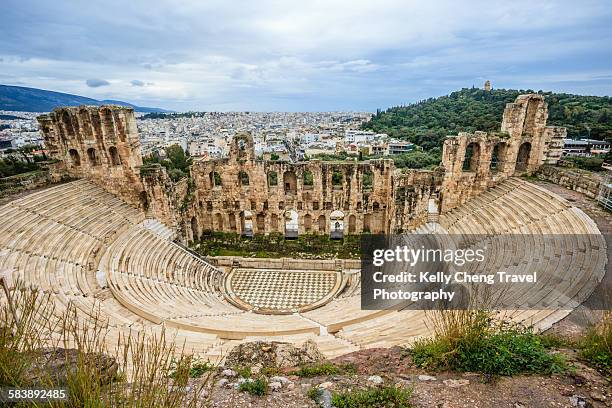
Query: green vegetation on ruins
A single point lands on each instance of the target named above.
(387, 396)
(320, 369)
(428, 122)
(415, 159)
(596, 346)
(177, 162)
(144, 368)
(471, 341)
(274, 245)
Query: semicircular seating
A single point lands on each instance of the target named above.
(82, 245)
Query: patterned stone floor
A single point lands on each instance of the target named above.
(280, 291)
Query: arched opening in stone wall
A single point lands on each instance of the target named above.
(69, 129)
(243, 178)
(219, 222)
(375, 206)
(207, 222)
(274, 222)
(366, 222)
(497, 156)
(307, 223)
(337, 179)
(215, 179)
(261, 223)
(232, 222)
(322, 223)
(291, 224)
(472, 157)
(290, 182)
(144, 201)
(378, 224)
(272, 179)
(367, 180)
(530, 118)
(91, 155)
(336, 225)
(352, 224)
(195, 230)
(522, 159)
(108, 124)
(246, 223)
(114, 156)
(308, 179)
(75, 158)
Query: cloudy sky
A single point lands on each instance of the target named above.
(302, 55)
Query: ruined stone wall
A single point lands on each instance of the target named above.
(474, 162)
(413, 191)
(240, 193)
(100, 143)
(583, 181)
(245, 195)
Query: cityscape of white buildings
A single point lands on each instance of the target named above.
(277, 135)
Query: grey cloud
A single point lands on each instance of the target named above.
(137, 82)
(95, 83)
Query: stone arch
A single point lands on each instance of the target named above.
(84, 119)
(219, 222)
(195, 229)
(75, 158)
(68, 126)
(91, 155)
(291, 224)
(272, 178)
(367, 221)
(367, 180)
(352, 221)
(290, 182)
(215, 179)
(322, 223)
(337, 179)
(307, 179)
(336, 225)
(261, 223)
(232, 222)
(114, 156)
(308, 223)
(243, 178)
(472, 157)
(378, 223)
(246, 223)
(498, 156)
(522, 158)
(108, 124)
(144, 200)
(242, 147)
(207, 222)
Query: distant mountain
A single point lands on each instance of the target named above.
(22, 99)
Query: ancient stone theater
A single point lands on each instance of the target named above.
(114, 238)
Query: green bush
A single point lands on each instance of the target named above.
(389, 396)
(596, 346)
(199, 368)
(244, 372)
(586, 163)
(315, 370)
(315, 393)
(257, 387)
(490, 349)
